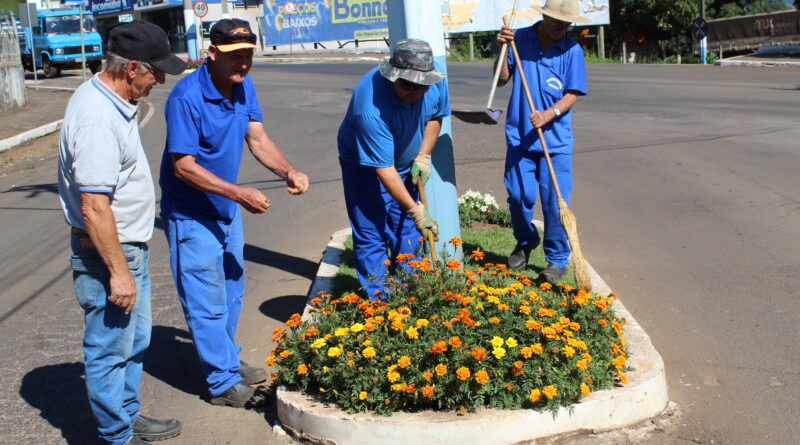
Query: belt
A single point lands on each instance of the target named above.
(85, 243)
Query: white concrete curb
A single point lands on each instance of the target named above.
(755, 63)
(21, 138)
(644, 396)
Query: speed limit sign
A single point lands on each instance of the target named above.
(200, 8)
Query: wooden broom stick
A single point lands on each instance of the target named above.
(431, 242)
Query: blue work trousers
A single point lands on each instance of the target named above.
(526, 176)
(378, 223)
(113, 343)
(207, 261)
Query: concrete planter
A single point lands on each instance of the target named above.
(644, 396)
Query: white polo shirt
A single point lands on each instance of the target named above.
(100, 151)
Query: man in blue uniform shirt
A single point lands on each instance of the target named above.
(209, 113)
(385, 143)
(556, 73)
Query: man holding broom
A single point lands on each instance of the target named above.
(385, 143)
(555, 71)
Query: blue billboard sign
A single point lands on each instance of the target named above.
(115, 7)
(306, 21)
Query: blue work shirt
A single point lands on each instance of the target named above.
(380, 130)
(202, 123)
(549, 75)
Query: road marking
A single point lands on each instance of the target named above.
(150, 110)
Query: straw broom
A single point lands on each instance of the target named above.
(579, 268)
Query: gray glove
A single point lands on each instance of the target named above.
(423, 220)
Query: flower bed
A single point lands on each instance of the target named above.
(454, 337)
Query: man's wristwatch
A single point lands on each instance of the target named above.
(556, 111)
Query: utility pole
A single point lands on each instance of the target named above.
(422, 19)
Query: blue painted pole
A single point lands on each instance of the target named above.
(422, 19)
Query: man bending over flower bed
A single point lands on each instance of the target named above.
(385, 143)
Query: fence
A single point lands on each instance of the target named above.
(12, 76)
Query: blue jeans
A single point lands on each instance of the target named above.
(113, 343)
(377, 221)
(207, 260)
(526, 176)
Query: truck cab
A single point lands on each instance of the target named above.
(55, 43)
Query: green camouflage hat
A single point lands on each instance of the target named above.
(411, 60)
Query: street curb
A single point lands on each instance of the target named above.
(26, 136)
(755, 63)
(645, 396)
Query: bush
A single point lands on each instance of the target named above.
(474, 207)
(454, 337)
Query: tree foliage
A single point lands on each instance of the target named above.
(728, 8)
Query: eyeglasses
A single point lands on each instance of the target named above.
(410, 86)
(157, 73)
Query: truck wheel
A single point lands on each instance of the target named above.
(95, 67)
(50, 71)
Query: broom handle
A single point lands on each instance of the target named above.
(502, 59)
(532, 107)
(431, 242)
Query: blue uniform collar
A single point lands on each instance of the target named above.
(563, 44)
(125, 108)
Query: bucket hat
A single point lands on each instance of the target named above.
(564, 10)
(411, 60)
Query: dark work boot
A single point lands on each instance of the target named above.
(134, 440)
(152, 430)
(553, 273)
(250, 374)
(518, 260)
(236, 396)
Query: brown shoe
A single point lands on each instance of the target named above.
(250, 374)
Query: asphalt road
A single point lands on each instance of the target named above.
(686, 197)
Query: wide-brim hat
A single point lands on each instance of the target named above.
(411, 60)
(564, 10)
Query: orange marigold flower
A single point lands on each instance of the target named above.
(440, 369)
(427, 391)
(403, 361)
(526, 352)
(404, 257)
(569, 351)
(456, 241)
(585, 390)
(285, 353)
(478, 353)
(622, 377)
(583, 365)
(545, 286)
(453, 264)
(462, 373)
(482, 377)
(534, 325)
(387, 262)
(494, 320)
(537, 348)
(277, 333)
(477, 255)
(411, 388)
(603, 323)
(316, 301)
(270, 360)
(550, 391)
(439, 347)
(509, 386)
(454, 342)
(427, 375)
(273, 376)
(619, 362)
(302, 369)
(461, 411)
(535, 395)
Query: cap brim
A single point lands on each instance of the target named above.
(171, 65)
(419, 77)
(559, 16)
(234, 46)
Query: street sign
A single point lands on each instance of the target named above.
(699, 29)
(200, 8)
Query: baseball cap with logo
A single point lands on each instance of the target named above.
(411, 60)
(145, 42)
(232, 34)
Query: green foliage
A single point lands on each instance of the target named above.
(454, 337)
(482, 45)
(727, 8)
(474, 207)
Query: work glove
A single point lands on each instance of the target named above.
(421, 167)
(423, 220)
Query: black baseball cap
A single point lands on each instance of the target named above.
(145, 42)
(232, 34)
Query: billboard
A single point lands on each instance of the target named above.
(487, 15)
(113, 7)
(307, 21)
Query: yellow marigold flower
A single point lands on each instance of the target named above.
(367, 342)
(398, 324)
(585, 389)
(535, 395)
(392, 376)
(453, 265)
(544, 312)
(362, 395)
(456, 241)
(440, 369)
(550, 391)
(482, 377)
(569, 351)
(586, 356)
(545, 286)
(412, 333)
(537, 348)
(619, 362)
(524, 310)
(325, 369)
(399, 387)
(403, 361)
(302, 369)
(285, 353)
(502, 306)
(462, 373)
(499, 353)
(270, 360)
(549, 332)
(368, 352)
(497, 341)
(421, 323)
(334, 352)
(511, 342)
(358, 327)
(427, 391)
(575, 326)
(622, 377)
(582, 365)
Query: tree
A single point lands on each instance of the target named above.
(653, 23)
(728, 8)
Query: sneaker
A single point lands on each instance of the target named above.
(518, 259)
(553, 273)
(152, 430)
(237, 396)
(250, 374)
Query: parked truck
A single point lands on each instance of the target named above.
(55, 42)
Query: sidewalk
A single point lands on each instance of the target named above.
(43, 107)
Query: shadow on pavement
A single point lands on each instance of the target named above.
(59, 393)
(35, 190)
(172, 359)
(281, 308)
(292, 264)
